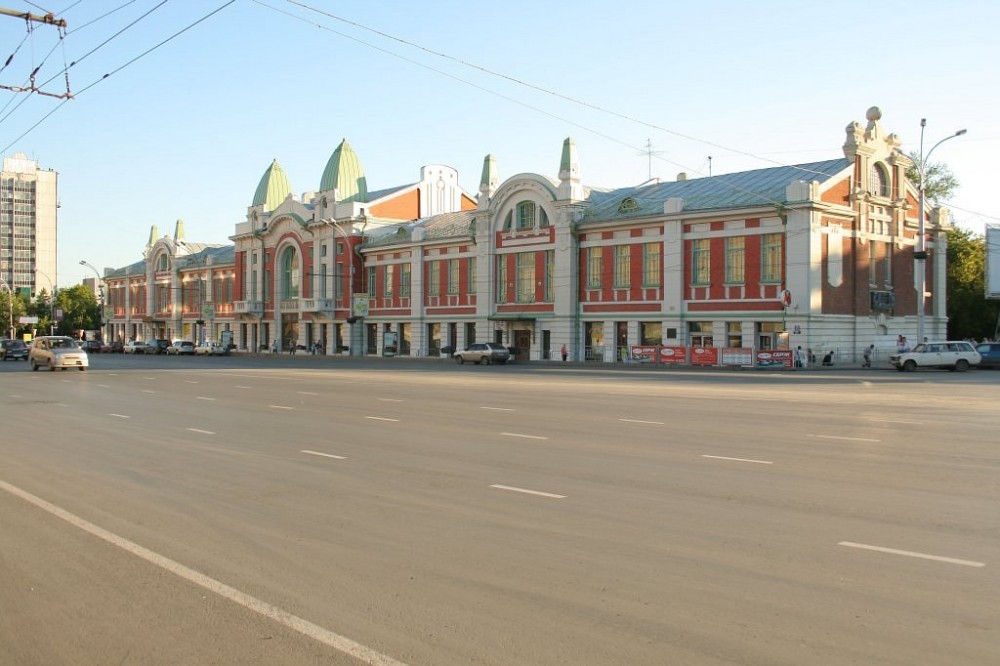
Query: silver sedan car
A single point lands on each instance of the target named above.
(484, 352)
(57, 351)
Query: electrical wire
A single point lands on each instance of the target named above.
(120, 68)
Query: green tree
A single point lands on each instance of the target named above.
(7, 314)
(970, 313)
(939, 182)
(79, 308)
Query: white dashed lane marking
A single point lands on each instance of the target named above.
(381, 418)
(528, 492)
(323, 455)
(846, 439)
(637, 421)
(199, 431)
(120, 416)
(280, 407)
(522, 436)
(748, 460)
(910, 553)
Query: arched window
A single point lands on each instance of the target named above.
(878, 180)
(161, 263)
(290, 273)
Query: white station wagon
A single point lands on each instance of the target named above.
(951, 355)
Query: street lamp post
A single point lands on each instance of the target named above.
(921, 252)
(350, 289)
(100, 287)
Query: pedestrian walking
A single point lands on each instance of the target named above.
(869, 351)
(565, 353)
(800, 357)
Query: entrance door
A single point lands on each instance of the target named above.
(522, 345)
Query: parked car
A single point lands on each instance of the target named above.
(180, 347)
(484, 352)
(989, 352)
(91, 346)
(57, 351)
(210, 349)
(115, 347)
(950, 355)
(135, 347)
(13, 350)
(157, 346)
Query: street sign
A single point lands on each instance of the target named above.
(360, 304)
(27, 320)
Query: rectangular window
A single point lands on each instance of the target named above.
(887, 262)
(404, 281)
(623, 266)
(472, 274)
(434, 279)
(526, 277)
(387, 284)
(338, 282)
(651, 333)
(253, 285)
(770, 258)
(502, 278)
(700, 264)
(735, 259)
(322, 249)
(323, 287)
(594, 267)
(652, 274)
(734, 333)
(550, 276)
(872, 263)
(525, 215)
(340, 248)
(700, 333)
(371, 282)
(453, 267)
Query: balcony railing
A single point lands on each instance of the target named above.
(248, 307)
(290, 305)
(316, 304)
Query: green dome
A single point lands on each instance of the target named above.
(273, 188)
(345, 174)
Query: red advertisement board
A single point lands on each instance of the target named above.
(673, 355)
(775, 358)
(704, 356)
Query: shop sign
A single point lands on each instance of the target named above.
(775, 358)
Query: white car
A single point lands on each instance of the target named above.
(136, 347)
(209, 349)
(950, 355)
(57, 351)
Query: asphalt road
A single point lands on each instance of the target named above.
(304, 510)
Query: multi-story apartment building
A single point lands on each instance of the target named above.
(817, 255)
(28, 223)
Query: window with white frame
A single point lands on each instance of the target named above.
(371, 282)
(701, 266)
(735, 259)
(434, 279)
(623, 266)
(526, 215)
(453, 267)
(472, 274)
(594, 267)
(501, 278)
(550, 273)
(387, 284)
(878, 180)
(652, 274)
(404, 281)
(526, 277)
(771, 258)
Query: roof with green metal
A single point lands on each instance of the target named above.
(344, 172)
(760, 187)
(273, 187)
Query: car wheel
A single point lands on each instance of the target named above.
(910, 365)
(82, 369)
(460, 360)
(961, 365)
(34, 366)
(52, 367)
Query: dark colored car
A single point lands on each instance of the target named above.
(91, 346)
(990, 351)
(13, 350)
(158, 346)
(115, 347)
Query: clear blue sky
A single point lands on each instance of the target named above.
(187, 130)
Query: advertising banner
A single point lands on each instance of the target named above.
(673, 355)
(644, 353)
(704, 356)
(737, 356)
(774, 358)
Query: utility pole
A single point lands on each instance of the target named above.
(48, 19)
